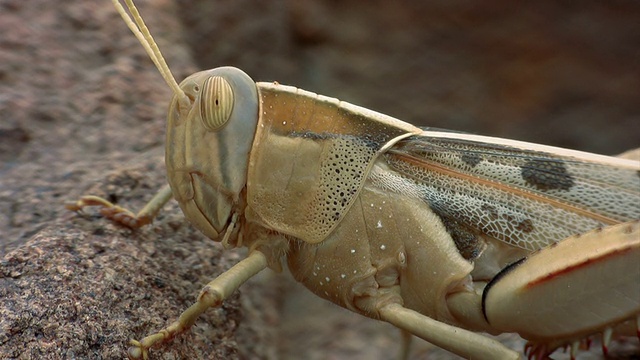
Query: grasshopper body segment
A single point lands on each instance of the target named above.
(436, 232)
(613, 299)
(310, 158)
(378, 253)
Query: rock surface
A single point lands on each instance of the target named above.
(83, 112)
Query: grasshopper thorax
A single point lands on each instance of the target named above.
(208, 145)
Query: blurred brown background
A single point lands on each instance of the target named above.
(559, 73)
(81, 104)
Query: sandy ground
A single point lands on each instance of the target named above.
(83, 111)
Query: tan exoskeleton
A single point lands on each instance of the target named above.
(440, 233)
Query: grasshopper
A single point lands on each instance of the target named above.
(442, 234)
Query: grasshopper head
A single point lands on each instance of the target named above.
(209, 138)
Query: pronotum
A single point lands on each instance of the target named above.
(442, 234)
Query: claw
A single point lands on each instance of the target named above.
(606, 340)
(110, 211)
(575, 346)
(536, 351)
(137, 351)
(124, 217)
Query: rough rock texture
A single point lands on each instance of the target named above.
(82, 111)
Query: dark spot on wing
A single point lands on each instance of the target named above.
(546, 175)
(493, 213)
(511, 221)
(525, 226)
(467, 241)
(471, 159)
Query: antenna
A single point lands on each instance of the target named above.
(140, 30)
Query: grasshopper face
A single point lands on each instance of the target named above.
(208, 144)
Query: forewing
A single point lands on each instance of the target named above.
(524, 194)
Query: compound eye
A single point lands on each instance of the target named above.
(216, 102)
